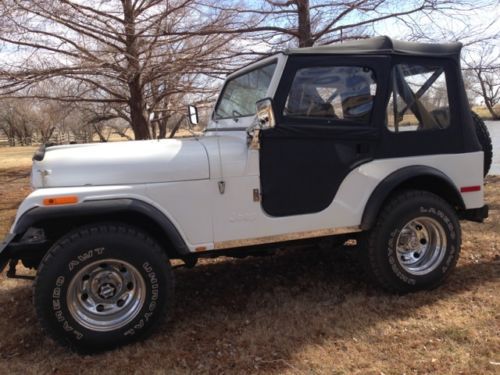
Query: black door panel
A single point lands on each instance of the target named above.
(302, 171)
(303, 160)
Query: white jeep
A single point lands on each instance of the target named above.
(370, 140)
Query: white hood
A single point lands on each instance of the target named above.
(134, 162)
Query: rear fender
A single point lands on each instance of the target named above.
(419, 177)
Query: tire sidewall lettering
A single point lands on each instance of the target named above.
(84, 256)
(451, 235)
(57, 307)
(151, 307)
(59, 291)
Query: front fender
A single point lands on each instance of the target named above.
(17, 244)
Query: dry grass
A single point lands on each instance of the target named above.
(307, 311)
(16, 157)
(484, 113)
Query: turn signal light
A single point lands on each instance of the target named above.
(54, 201)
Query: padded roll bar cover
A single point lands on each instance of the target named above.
(384, 45)
(396, 179)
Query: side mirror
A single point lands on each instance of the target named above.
(193, 114)
(265, 113)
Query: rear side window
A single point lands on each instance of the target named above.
(419, 99)
(332, 93)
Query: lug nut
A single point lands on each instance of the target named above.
(100, 308)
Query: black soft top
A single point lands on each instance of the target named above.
(383, 45)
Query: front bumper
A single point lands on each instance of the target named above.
(4, 253)
(27, 248)
(475, 214)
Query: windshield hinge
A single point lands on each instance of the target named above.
(256, 195)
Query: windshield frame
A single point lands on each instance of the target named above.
(244, 71)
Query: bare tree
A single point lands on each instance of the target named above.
(17, 122)
(305, 23)
(469, 82)
(129, 55)
(483, 62)
(24, 122)
(141, 61)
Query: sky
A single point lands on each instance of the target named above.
(483, 20)
(486, 21)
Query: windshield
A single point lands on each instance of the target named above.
(240, 93)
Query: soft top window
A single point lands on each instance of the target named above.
(332, 92)
(419, 99)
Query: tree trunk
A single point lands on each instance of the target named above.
(98, 131)
(494, 115)
(304, 19)
(162, 127)
(486, 97)
(136, 102)
(138, 119)
(175, 128)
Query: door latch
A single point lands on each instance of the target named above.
(222, 187)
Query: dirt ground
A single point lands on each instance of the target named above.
(302, 311)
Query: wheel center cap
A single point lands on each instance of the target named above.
(107, 291)
(409, 240)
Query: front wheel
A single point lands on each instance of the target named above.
(415, 243)
(103, 286)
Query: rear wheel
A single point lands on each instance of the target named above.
(103, 286)
(415, 243)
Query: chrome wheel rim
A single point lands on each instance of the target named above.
(421, 246)
(106, 295)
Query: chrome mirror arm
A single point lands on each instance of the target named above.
(264, 119)
(253, 132)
